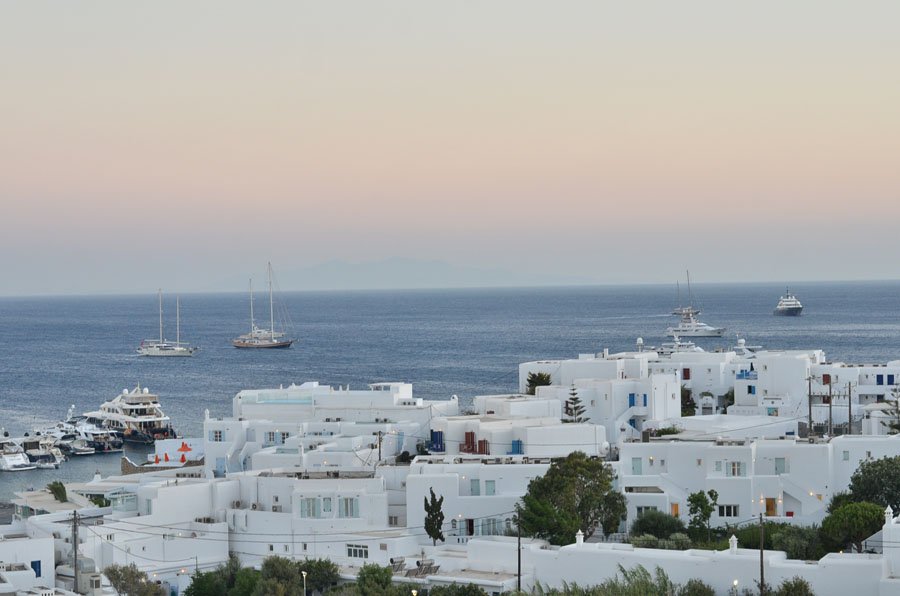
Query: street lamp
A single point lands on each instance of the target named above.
(303, 573)
(415, 592)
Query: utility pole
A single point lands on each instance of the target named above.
(849, 408)
(762, 547)
(75, 549)
(519, 554)
(830, 400)
(380, 437)
(809, 432)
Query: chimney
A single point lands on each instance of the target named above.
(579, 538)
(732, 544)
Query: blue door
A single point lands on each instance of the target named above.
(631, 398)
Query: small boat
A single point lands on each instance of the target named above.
(259, 337)
(13, 457)
(42, 451)
(163, 347)
(788, 305)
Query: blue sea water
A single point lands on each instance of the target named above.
(59, 351)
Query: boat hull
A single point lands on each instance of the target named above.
(788, 312)
(237, 343)
(672, 332)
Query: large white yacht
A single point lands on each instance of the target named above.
(691, 326)
(13, 458)
(788, 306)
(135, 415)
(42, 451)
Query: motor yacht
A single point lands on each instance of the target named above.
(13, 458)
(788, 306)
(134, 415)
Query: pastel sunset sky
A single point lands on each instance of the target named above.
(178, 144)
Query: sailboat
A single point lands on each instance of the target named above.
(163, 347)
(259, 337)
(690, 325)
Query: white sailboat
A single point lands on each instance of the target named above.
(163, 347)
(690, 325)
(259, 337)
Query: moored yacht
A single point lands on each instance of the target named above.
(691, 326)
(42, 451)
(135, 415)
(788, 305)
(13, 458)
(259, 337)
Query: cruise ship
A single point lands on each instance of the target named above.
(788, 305)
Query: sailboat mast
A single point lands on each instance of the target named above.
(177, 320)
(690, 292)
(160, 316)
(271, 303)
(252, 325)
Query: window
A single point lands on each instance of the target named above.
(358, 551)
(326, 505)
(686, 374)
(270, 437)
(644, 509)
(349, 507)
(275, 499)
(846, 456)
(474, 487)
(286, 548)
(751, 389)
(452, 524)
(393, 520)
(310, 507)
(36, 565)
(271, 547)
(699, 462)
(490, 487)
(728, 511)
(719, 466)
(736, 468)
(216, 436)
(304, 546)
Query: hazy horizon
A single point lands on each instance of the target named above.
(183, 145)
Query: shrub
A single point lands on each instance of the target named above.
(657, 523)
(645, 541)
(696, 587)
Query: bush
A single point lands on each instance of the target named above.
(58, 490)
(696, 587)
(803, 543)
(679, 541)
(657, 523)
(645, 541)
(796, 586)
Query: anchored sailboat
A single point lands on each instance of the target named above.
(163, 347)
(259, 337)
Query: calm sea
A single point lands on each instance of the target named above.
(60, 351)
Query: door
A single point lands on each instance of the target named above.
(636, 466)
(675, 509)
(771, 510)
(780, 466)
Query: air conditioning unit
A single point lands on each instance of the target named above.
(254, 507)
(236, 505)
(276, 508)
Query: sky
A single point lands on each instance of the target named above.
(184, 144)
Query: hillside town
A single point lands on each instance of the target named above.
(309, 472)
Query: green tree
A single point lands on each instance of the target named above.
(210, 583)
(131, 581)
(701, 506)
(374, 579)
(688, 405)
(320, 573)
(657, 523)
(574, 409)
(877, 481)
(571, 496)
(245, 581)
(796, 586)
(798, 542)
(613, 508)
(457, 590)
(853, 523)
(535, 380)
(58, 490)
(434, 517)
(838, 500)
(279, 577)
